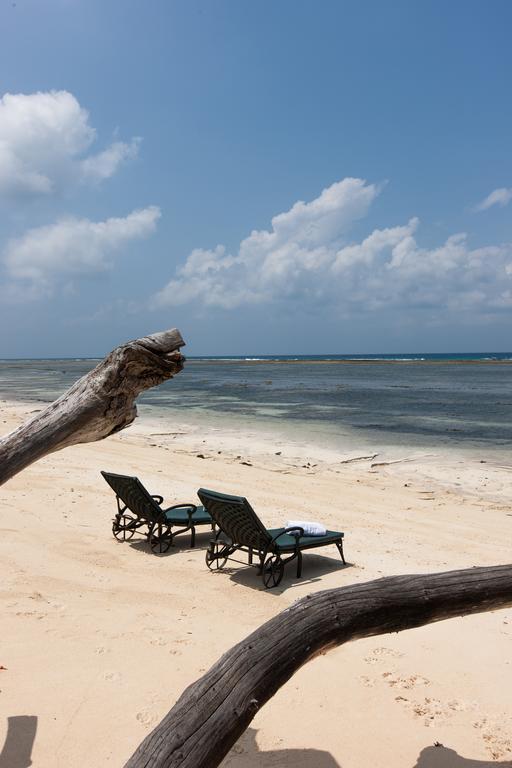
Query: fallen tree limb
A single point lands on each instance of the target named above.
(97, 405)
(213, 712)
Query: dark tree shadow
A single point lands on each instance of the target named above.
(17, 750)
(246, 754)
(443, 757)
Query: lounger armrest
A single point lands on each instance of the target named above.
(191, 508)
(159, 499)
(296, 531)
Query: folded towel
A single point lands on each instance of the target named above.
(310, 529)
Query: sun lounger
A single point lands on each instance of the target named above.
(240, 529)
(138, 511)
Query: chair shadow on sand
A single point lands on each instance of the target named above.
(17, 750)
(180, 544)
(314, 567)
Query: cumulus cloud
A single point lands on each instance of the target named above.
(307, 258)
(275, 262)
(501, 197)
(44, 141)
(71, 248)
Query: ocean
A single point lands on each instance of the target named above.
(357, 402)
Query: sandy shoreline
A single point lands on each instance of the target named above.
(100, 638)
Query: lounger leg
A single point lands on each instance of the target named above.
(339, 544)
(299, 564)
(193, 536)
(250, 555)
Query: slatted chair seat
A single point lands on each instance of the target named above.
(139, 511)
(240, 529)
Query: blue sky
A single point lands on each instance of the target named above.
(269, 177)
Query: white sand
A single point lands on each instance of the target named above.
(99, 638)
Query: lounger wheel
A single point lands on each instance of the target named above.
(160, 539)
(273, 570)
(213, 560)
(123, 527)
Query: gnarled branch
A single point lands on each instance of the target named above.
(97, 405)
(214, 711)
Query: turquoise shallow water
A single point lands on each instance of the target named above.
(442, 401)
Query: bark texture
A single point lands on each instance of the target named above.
(97, 405)
(214, 711)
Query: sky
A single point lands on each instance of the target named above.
(280, 176)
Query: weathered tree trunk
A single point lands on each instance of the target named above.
(97, 405)
(214, 711)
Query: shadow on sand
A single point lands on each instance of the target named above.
(17, 750)
(313, 568)
(246, 754)
(443, 757)
(180, 544)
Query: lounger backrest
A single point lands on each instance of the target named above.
(236, 518)
(132, 493)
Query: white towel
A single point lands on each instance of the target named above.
(310, 529)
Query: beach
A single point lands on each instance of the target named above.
(266, 249)
(99, 638)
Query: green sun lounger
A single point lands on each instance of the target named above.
(138, 511)
(241, 530)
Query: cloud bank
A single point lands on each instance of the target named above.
(70, 248)
(307, 258)
(44, 140)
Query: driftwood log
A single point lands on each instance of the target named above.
(97, 405)
(213, 712)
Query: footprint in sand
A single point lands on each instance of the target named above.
(497, 746)
(496, 743)
(158, 641)
(404, 682)
(146, 718)
(458, 706)
(431, 710)
(112, 677)
(36, 596)
(378, 654)
(32, 614)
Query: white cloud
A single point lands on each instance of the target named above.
(306, 258)
(105, 164)
(501, 196)
(44, 138)
(451, 277)
(72, 247)
(275, 262)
